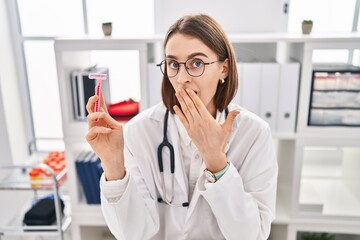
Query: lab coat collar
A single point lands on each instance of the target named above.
(158, 112)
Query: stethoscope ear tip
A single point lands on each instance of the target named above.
(185, 204)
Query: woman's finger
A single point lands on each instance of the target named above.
(111, 121)
(181, 116)
(190, 104)
(199, 105)
(227, 125)
(94, 131)
(184, 107)
(91, 103)
(90, 106)
(93, 118)
(103, 103)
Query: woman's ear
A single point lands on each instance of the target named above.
(225, 69)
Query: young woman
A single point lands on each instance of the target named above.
(194, 166)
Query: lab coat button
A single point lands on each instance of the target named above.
(197, 156)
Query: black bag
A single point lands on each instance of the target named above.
(43, 212)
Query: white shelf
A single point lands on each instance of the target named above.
(18, 180)
(15, 226)
(333, 197)
(235, 38)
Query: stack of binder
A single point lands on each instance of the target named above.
(89, 170)
(270, 90)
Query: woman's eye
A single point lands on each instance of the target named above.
(173, 64)
(197, 63)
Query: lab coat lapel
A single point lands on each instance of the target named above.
(180, 174)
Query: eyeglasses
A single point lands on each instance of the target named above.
(195, 67)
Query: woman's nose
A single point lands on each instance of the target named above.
(183, 76)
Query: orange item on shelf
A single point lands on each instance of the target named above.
(56, 161)
(35, 175)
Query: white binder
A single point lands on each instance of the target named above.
(250, 86)
(269, 89)
(288, 97)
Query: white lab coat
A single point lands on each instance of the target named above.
(240, 205)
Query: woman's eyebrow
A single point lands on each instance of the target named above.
(190, 56)
(170, 56)
(197, 54)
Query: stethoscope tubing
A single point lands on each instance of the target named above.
(166, 144)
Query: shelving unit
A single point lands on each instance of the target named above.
(296, 172)
(17, 179)
(74, 54)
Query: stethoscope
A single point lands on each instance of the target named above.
(166, 144)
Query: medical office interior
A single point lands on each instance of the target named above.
(306, 85)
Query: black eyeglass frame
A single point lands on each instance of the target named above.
(186, 68)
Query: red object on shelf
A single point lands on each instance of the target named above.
(34, 172)
(124, 111)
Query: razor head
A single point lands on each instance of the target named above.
(97, 76)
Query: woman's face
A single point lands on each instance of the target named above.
(182, 47)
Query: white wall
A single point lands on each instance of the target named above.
(236, 16)
(5, 153)
(11, 97)
(12, 130)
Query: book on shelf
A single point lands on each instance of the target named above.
(88, 168)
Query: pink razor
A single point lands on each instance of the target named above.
(99, 77)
